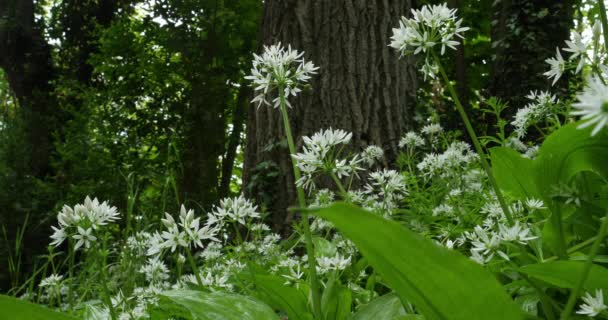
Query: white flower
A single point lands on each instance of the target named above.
(593, 305)
(432, 129)
(58, 236)
(428, 27)
(411, 140)
(90, 215)
(538, 109)
(337, 262)
(515, 232)
(237, 209)
(155, 270)
(279, 68)
(535, 204)
(51, 281)
(372, 154)
(321, 155)
(558, 65)
(578, 48)
(592, 105)
(84, 237)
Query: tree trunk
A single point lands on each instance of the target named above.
(362, 87)
(525, 34)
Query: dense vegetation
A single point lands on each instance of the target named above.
(121, 161)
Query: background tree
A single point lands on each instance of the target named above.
(524, 34)
(362, 87)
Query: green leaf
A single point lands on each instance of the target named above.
(566, 274)
(11, 308)
(287, 299)
(220, 305)
(565, 153)
(336, 301)
(387, 306)
(441, 283)
(514, 173)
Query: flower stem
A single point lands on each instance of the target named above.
(338, 183)
(71, 272)
(193, 267)
(104, 280)
(473, 136)
(586, 268)
(604, 21)
(312, 263)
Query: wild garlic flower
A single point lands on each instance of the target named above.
(411, 140)
(155, 270)
(186, 233)
(279, 68)
(432, 129)
(537, 110)
(428, 27)
(557, 67)
(372, 154)
(237, 209)
(337, 262)
(82, 222)
(386, 188)
(485, 242)
(53, 286)
(594, 305)
(515, 233)
(578, 48)
(534, 204)
(592, 105)
(321, 154)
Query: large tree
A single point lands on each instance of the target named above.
(362, 87)
(524, 34)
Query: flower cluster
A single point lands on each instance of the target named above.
(279, 68)
(430, 26)
(237, 210)
(185, 233)
(321, 155)
(537, 110)
(82, 222)
(578, 48)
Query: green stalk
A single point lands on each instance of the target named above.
(194, 267)
(471, 132)
(310, 251)
(604, 21)
(71, 271)
(586, 268)
(104, 280)
(338, 183)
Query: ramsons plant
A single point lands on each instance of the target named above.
(456, 230)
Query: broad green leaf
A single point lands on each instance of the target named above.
(336, 301)
(220, 305)
(441, 283)
(565, 153)
(514, 173)
(279, 296)
(566, 274)
(387, 306)
(12, 308)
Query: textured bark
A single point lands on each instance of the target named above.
(362, 86)
(522, 39)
